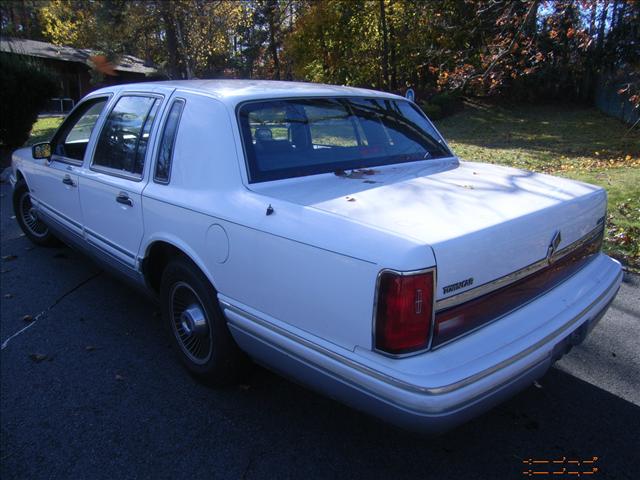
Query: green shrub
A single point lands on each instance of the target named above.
(434, 112)
(441, 99)
(448, 102)
(25, 87)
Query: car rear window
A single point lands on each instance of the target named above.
(289, 138)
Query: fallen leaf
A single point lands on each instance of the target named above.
(350, 199)
(38, 357)
(27, 318)
(8, 258)
(536, 384)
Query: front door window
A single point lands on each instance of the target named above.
(72, 139)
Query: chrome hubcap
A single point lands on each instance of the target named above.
(30, 217)
(190, 324)
(193, 321)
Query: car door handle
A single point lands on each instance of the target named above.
(67, 181)
(124, 199)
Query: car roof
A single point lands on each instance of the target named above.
(237, 91)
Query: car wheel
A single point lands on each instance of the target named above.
(28, 220)
(196, 324)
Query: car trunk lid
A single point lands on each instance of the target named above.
(482, 221)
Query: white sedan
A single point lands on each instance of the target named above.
(328, 233)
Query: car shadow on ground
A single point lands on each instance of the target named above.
(563, 417)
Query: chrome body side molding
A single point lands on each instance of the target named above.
(101, 256)
(515, 276)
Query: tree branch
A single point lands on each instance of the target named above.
(513, 42)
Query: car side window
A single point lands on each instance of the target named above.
(73, 137)
(167, 142)
(122, 144)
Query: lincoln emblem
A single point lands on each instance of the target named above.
(553, 246)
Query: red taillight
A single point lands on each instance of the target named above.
(404, 311)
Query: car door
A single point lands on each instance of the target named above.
(111, 188)
(56, 183)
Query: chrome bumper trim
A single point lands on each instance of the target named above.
(409, 386)
(515, 276)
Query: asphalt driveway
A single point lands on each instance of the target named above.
(91, 389)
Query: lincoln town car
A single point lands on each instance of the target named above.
(328, 233)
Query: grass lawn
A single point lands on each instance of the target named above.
(579, 143)
(44, 129)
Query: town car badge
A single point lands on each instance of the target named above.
(457, 286)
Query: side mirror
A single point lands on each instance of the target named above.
(41, 150)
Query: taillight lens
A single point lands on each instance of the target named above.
(404, 311)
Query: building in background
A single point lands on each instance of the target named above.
(74, 67)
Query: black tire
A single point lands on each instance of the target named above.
(34, 229)
(187, 299)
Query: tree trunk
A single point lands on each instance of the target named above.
(25, 20)
(615, 15)
(325, 53)
(385, 47)
(532, 20)
(173, 68)
(273, 46)
(589, 79)
(183, 48)
(393, 85)
(601, 27)
(13, 19)
(592, 18)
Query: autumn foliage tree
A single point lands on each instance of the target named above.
(523, 49)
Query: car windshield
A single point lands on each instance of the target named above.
(290, 138)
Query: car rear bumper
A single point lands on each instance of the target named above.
(438, 390)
